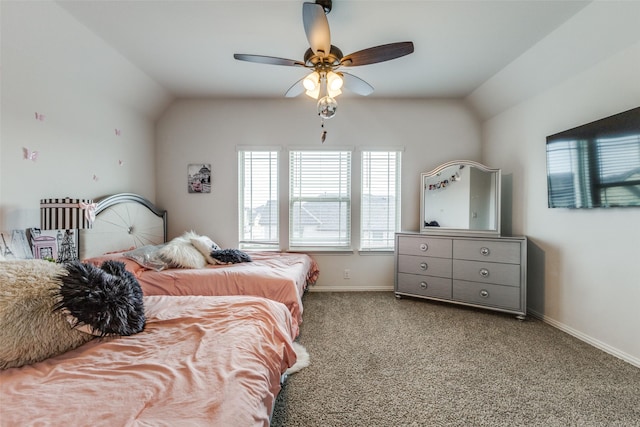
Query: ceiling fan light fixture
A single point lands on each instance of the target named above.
(322, 58)
(327, 107)
(334, 81)
(333, 92)
(311, 82)
(314, 93)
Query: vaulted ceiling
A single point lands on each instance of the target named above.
(188, 46)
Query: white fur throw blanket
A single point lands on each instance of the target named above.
(30, 330)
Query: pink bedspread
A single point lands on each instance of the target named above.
(278, 276)
(212, 361)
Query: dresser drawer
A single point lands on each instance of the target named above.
(428, 286)
(419, 245)
(506, 297)
(440, 267)
(487, 250)
(487, 272)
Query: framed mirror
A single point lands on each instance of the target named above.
(461, 197)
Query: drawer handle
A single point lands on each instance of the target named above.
(484, 293)
(423, 285)
(424, 247)
(484, 272)
(423, 266)
(485, 251)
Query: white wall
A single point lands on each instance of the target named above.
(584, 270)
(208, 131)
(53, 66)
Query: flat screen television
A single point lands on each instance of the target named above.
(596, 165)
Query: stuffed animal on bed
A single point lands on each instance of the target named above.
(47, 309)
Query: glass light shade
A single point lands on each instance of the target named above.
(327, 107)
(311, 82)
(333, 93)
(314, 93)
(334, 81)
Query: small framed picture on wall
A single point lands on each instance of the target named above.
(199, 178)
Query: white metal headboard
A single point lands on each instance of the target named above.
(123, 221)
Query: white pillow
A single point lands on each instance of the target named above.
(205, 245)
(180, 253)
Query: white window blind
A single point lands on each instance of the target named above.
(380, 204)
(320, 199)
(569, 174)
(618, 170)
(258, 199)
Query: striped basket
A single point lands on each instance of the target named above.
(66, 214)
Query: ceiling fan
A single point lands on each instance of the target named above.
(325, 81)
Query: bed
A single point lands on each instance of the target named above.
(200, 361)
(216, 347)
(125, 221)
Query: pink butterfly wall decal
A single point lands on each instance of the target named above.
(118, 132)
(40, 117)
(120, 162)
(29, 155)
(95, 177)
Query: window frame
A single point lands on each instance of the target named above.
(339, 244)
(397, 206)
(273, 243)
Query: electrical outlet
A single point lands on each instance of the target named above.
(347, 274)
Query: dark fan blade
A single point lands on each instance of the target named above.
(385, 52)
(271, 60)
(296, 89)
(316, 27)
(356, 84)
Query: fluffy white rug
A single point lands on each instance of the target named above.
(302, 361)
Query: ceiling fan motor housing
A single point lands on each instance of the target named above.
(326, 5)
(326, 63)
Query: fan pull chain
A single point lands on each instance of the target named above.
(323, 135)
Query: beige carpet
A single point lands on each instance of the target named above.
(379, 361)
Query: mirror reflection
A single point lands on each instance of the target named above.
(461, 196)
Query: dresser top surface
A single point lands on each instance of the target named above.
(458, 237)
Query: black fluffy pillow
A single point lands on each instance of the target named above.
(106, 299)
(230, 256)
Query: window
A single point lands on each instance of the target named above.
(563, 159)
(618, 170)
(380, 204)
(320, 199)
(258, 210)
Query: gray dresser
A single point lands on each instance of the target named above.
(487, 272)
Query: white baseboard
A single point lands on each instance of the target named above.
(589, 340)
(351, 288)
